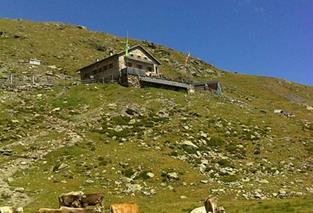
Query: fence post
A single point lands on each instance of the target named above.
(11, 78)
(33, 79)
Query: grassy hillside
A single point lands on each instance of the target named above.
(165, 150)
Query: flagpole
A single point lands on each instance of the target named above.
(187, 59)
(127, 46)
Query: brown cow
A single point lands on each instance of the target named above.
(220, 210)
(47, 210)
(124, 208)
(94, 199)
(71, 199)
(211, 206)
(67, 210)
(11, 209)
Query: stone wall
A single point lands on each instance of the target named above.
(133, 81)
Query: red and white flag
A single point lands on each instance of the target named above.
(187, 59)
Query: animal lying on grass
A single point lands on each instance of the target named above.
(11, 209)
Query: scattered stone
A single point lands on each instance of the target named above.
(310, 108)
(132, 188)
(150, 174)
(89, 181)
(56, 109)
(132, 110)
(189, 143)
(173, 175)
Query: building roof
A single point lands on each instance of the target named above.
(123, 52)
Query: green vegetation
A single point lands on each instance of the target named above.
(81, 137)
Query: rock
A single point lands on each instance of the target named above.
(118, 128)
(264, 181)
(282, 193)
(132, 188)
(23, 163)
(245, 179)
(52, 67)
(204, 181)
(49, 73)
(62, 166)
(112, 106)
(150, 175)
(310, 108)
(153, 191)
(6, 152)
(163, 114)
(278, 111)
(309, 189)
(19, 189)
(204, 135)
(132, 110)
(89, 181)
(56, 109)
(81, 27)
(186, 127)
(171, 188)
(126, 179)
(189, 143)
(132, 121)
(183, 197)
(146, 193)
(173, 175)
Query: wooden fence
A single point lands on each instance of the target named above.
(36, 80)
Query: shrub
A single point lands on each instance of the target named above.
(230, 178)
(231, 148)
(128, 172)
(215, 141)
(225, 163)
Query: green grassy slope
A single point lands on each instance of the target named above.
(69, 138)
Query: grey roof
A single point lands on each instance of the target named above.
(165, 82)
(121, 53)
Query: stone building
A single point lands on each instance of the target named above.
(110, 69)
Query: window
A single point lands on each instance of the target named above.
(145, 58)
(138, 56)
(129, 64)
(132, 55)
(139, 66)
(149, 69)
(110, 66)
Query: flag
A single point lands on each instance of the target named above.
(187, 59)
(126, 46)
